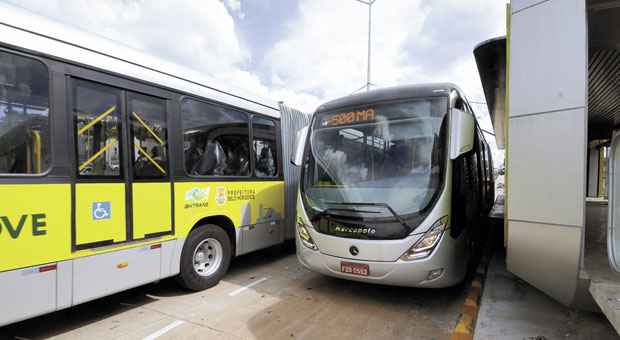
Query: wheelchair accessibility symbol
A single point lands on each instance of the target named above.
(102, 211)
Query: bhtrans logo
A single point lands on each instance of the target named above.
(362, 230)
(197, 197)
(197, 194)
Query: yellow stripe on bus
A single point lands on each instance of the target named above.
(97, 120)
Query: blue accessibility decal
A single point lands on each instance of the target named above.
(102, 211)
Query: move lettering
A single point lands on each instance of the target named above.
(15, 226)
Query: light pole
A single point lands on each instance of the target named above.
(369, 3)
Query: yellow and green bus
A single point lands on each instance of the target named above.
(118, 169)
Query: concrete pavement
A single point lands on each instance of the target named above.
(266, 295)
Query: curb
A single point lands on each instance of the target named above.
(466, 324)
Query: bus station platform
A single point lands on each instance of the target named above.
(511, 308)
(602, 281)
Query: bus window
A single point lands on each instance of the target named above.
(98, 129)
(24, 115)
(482, 167)
(149, 133)
(216, 140)
(265, 147)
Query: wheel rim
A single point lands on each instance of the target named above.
(208, 256)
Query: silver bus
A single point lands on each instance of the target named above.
(394, 188)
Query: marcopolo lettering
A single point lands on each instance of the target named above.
(15, 226)
(363, 230)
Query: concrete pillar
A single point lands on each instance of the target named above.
(547, 143)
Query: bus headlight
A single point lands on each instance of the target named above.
(304, 235)
(424, 247)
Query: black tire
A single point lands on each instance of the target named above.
(188, 277)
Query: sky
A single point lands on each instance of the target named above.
(302, 52)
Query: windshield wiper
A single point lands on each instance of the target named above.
(322, 213)
(326, 212)
(354, 210)
(371, 204)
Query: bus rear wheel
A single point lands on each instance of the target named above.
(205, 258)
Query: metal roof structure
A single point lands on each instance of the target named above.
(603, 81)
(491, 60)
(603, 69)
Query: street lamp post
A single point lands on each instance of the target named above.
(369, 3)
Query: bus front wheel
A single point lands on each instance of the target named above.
(205, 258)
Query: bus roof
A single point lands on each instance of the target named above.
(390, 93)
(27, 30)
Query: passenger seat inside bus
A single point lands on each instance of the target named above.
(265, 166)
(213, 160)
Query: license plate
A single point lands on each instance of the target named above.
(354, 268)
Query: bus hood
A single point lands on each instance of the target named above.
(369, 250)
(349, 228)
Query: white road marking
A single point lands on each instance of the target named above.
(244, 288)
(164, 330)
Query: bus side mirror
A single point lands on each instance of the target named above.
(298, 151)
(461, 133)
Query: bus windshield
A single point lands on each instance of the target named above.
(392, 154)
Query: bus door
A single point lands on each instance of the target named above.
(151, 190)
(108, 207)
(99, 203)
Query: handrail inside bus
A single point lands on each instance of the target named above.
(146, 155)
(37, 150)
(97, 120)
(29, 151)
(96, 155)
(143, 123)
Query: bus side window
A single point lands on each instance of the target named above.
(482, 168)
(149, 135)
(97, 119)
(265, 147)
(477, 170)
(216, 138)
(490, 186)
(24, 115)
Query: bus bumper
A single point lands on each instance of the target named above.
(418, 273)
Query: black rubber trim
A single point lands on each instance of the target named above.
(157, 234)
(94, 245)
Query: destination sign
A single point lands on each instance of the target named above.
(351, 117)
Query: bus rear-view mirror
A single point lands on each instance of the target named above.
(462, 133)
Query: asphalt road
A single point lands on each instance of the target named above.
(266, 295)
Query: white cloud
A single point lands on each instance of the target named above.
(249, 81)
(235, 7)
(324, 51)
(197, 33)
